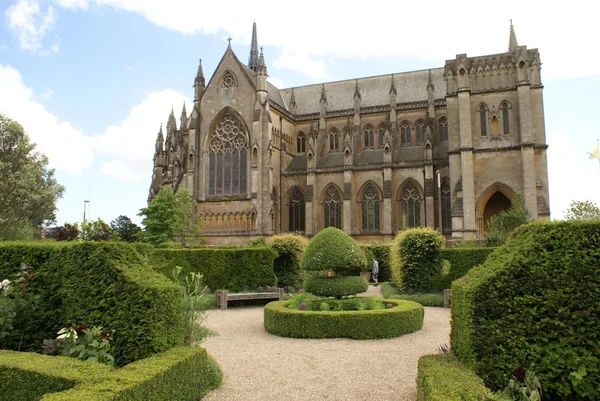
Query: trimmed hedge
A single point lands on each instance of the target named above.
(336, 287)
(235, 269)
(405, 317)
(286, 266)
(333, 250)
(461, 261)
(180, 374)
(434, 299)
(443, 378)
(535, 302)
(381, 252)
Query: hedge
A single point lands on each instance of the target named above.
(97, 283)
(443, 378)
(180, 374)
(404, 317)
(435, 299)
(381, 252)
(535, 302)
(461, 261)
(230, 269)
(286, 266)
(333, 250)
(336, 287)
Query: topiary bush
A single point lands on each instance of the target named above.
(336, 287)
(535, 302)
(286, 266)
(415, 258)
(443, 378)
(461, 261)
(333, 250)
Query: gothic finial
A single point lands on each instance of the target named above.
(229, 43)
(200, 70)
(184, 112)
(261, 59)
(430, 82)
(160, 132)
(172, 113)
(357, 91)
(512, 40)
(253, 61)
(199, 80)
(293, 98)
(393, 87)
(323, 95)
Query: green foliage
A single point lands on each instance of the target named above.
(96, 230)
(193, 293)
(535, 301)
(290, 248)
(582, 210)
(28, 189)
(126, 229)
(461, 260)
(336, 287)
(443, 378)
(179, 374)
(67, 232)
(523, 386)
(236, 269)
(502, 224)
(424, 298)
(404, 317)
(346, 304)
(333, 250)
(8, 309)
(415, 258)
(87, 344)
(258, 241)
(381, 252)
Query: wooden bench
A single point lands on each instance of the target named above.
(223, 296)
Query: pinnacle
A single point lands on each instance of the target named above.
(512, 40)
(253, 61)
(393, 87)
(430, 82)
(200, 71)
(323, 95)
(184, 112)
(357, 91)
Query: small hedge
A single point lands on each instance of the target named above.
(405, 317)
(381, 252)
(461, 261)
(333, 250)
(435, 299)
(336, 287)
(443, 378)
(290, 248)
(236, 269)
(535, 302)
(180, 374)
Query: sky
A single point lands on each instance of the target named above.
(92, 80)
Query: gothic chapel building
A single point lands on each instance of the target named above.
(445, 148)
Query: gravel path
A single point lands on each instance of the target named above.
(260, 366)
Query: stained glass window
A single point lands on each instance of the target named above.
(411, 206)
(370, 209)
(297, 209)
(227, 157)
(332, 208)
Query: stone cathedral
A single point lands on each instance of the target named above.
(445, 148)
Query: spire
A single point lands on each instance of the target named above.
(253, 61)
(357, 91)
(293, 99)
(261, 59)
(184, 112)
(171, 124)
(393, 87)
(512, 41)
(183, 117)
(323, 95)
(430, 82)
(160, 140)
(199, 75)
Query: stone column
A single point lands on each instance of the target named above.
(347, 219)
(387, 227)
(527, 152)
(310, 214)
(466, 162)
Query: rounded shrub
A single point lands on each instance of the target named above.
(415, 258)
(337, 287)
(404, 317)
(290, 248)
(333, 250)
(535, 302)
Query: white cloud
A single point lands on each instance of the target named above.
(30, 24)
(278, 83)
(66, 147)
(303, 63)
(118, 169)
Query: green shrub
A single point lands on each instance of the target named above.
(333, 250)
(290, 248)
(404, 317)
(182, 373)
(424, 298)
(357, 303)
(415, 258)
(535, 301)
(443, 378)
(336, 287)
(461, 261)
(381, 252)
(235, 269)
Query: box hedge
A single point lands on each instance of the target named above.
(535, 302)
(333, 250)
(404, 317)
(179, 374)
(235, 269)
(286, 266)
(443, 378)
(461, 261)
(336, 287)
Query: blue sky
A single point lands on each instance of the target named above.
(91, 80)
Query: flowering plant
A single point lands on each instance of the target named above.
(7, 309)
(88, 344)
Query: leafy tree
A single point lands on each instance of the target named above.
(96, 230)
(170, 217)
(126, 229)
(28, 189)
(68, 232)
(582, 210)
(504, 222)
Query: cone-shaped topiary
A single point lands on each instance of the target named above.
(333, 250)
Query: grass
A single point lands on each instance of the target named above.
(424, 298)
(206, 302)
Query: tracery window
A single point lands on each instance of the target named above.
(420, 132)
(297, 210)
(369, 137)
(227, 157)
(370, 209)
(505, 119)
(381, 136)
(228, 81)
(411, 206)
(332, 208)
(301, 143)
(446, 208)
(405, 134)
(443, 130)
(334, 141)
(483, 120)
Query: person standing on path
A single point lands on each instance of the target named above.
(375, 271)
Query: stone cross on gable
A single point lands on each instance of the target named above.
(229, 40)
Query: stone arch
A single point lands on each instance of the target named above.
(228, 80)
(295, 209)
(493, 200)
(370, 206)
(332, 203)
(410, 207)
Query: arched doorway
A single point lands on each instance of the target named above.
(495, 199)
(497, 203)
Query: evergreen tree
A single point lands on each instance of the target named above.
(126, 229)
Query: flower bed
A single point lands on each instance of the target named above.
(402, 318)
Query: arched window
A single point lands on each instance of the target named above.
(381, 136)
(420, 131)
(405, 134)
(369, 137)
(332, 208)
(443, 130)
(483, 120)
(505, 119)
(227, 157)
(297, 210)
(411, 206)
(228, 81)
(300, 143)
(371, 219)
(446, 208)
(334, 141)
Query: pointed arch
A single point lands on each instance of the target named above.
(420, 130)
(381, 134)
(505, 107)
(410, 201)
(498, 190)
(228, 80)
(482, 109)
(296, 210)
(334, 140)
(443, 129)
(368, 136)
(370, 198)
(300, 142)
(405, 134)
(331, 198)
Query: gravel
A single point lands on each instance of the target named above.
(260, 366)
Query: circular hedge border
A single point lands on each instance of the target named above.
(336, 287)
(403, 318)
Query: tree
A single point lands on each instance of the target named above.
(582, 210)
(126, 229)
(504, 222)
(170, 217)
(96, 230)
(28, 189)
(68, 232)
